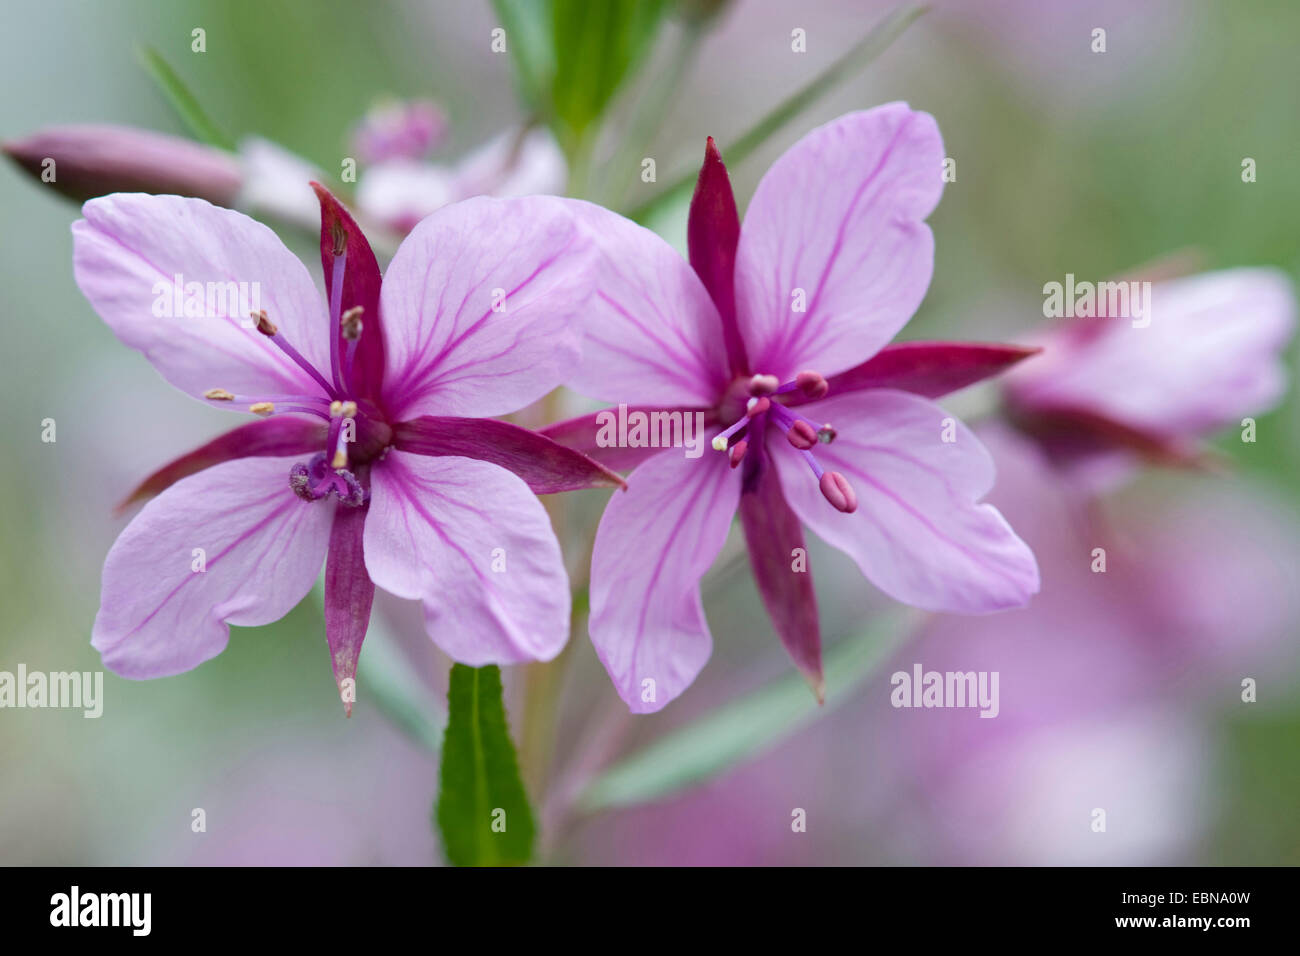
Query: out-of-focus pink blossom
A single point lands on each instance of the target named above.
(399, 192)
(399, 129)
(1106, 391)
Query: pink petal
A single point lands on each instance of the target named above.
(447, 350)
(773, 533)
(919, 532)
(583, 434)
(1211, 354)
(929, 369)
(126, 255)
(267, 437)
(652, 335)
(361, 283)
(471, 542)
(547, 466)
(262, 549)
(712, 233)
(839, 217)
(654, 543)
(401, 192)
(349, 594)
(514, 163)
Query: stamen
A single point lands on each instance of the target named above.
(720, 440)
(835, 488)
(801, 432)
(764, 385)
(267, 328)
(272, 404)
(738, 452)
(336, 305)
(351, 323)
(757, 406)
(838, 492)
(802, 435)
(340, 416)
(351, 329)
(812, 384)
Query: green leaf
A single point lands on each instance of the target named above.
(743, 728)
(183, 101)
(596, 45)
(528, 41)
(851, 63)
(483, 811)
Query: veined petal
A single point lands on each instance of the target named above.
(547, 467)
(919, 533)
(229, 545)
(929, 369)
(132, 250)
(837, 228)
(488, 291)
(360, 288)
(654, 544)
(349, 594)
(266, 437)
(470, 541)
(589, 434)
(774, 535)
(651, 334)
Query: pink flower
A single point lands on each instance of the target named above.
(401, 190)
(399, 130)
(1109, 390)
(779, 331)
(372, 457)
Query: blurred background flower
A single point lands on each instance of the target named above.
(1119, 690)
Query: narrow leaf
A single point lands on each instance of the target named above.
(184, 102)
(851, 63)
(528, 42)
(596, 45)
(483, 811)
(744, 728)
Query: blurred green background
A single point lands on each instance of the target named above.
(1068, 161)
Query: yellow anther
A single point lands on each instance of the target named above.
(336, 408)
(262, 408)
(219, 395)
(349, 410)
(340, 459)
